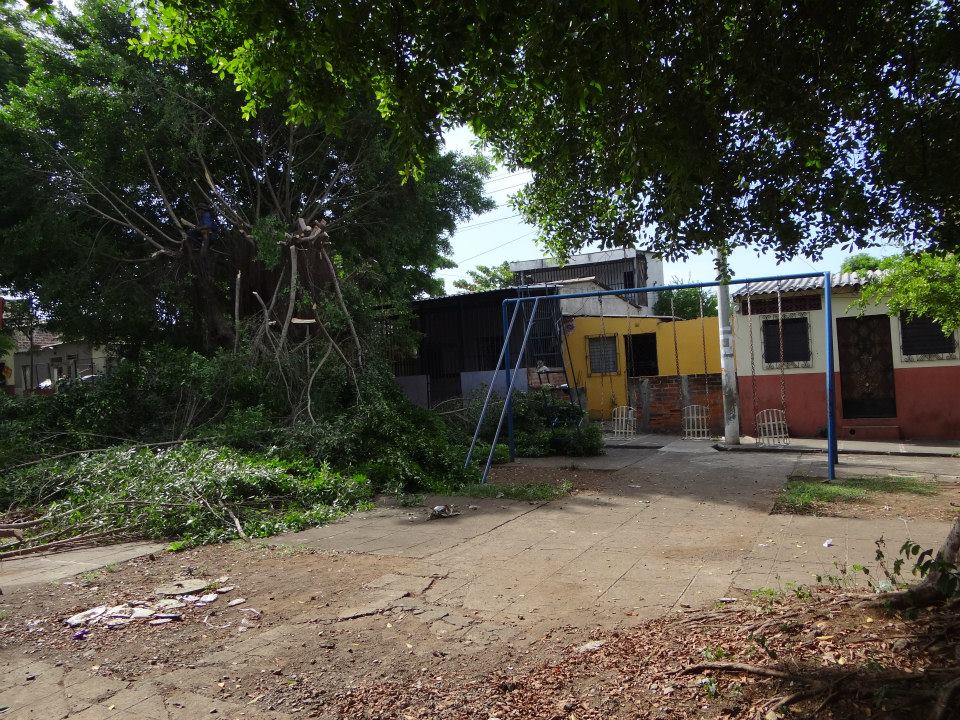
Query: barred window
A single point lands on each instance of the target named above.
(603, 354)
(923, 336)
(796, 340)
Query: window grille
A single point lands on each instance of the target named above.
(603, 354)
(796, 340)
(923, 336)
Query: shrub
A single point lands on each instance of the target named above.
(189, 492)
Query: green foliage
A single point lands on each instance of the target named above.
(714, 652)
(922, 562)
(779, 127)
(187, 493)
(860, 263)
(804, 496)
(486, 278)
(687, 303)
(920, 285)
(545, 425)
(104, 154)
(268, 235)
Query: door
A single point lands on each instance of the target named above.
(866, 367)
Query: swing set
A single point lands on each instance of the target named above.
(770, 424)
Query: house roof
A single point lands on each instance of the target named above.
(838, 280)
(583, 259)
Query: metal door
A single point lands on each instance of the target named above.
(866, 367)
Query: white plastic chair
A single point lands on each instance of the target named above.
(624, 422)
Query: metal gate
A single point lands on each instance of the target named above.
(866, 367)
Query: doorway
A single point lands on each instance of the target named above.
(641, 351)
(866, 367)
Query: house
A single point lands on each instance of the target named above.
(41, 359)
(614, 269)
(657, 365)
(896, 378)
(460, 341)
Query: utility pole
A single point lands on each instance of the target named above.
(728, 372)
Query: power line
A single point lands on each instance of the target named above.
(504, 176)
(497, 247)
(487, 222)
(509, 187)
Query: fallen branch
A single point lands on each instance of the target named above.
(73, 453)
(741, 668)
(236, 522)
(77, 539)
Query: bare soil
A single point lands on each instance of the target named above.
(816, 656)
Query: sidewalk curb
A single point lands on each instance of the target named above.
(788, 448)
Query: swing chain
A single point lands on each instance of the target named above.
(753, 367)
(676, 351)
(783, 389)
(603, 332)
(703, 345)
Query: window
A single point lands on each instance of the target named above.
(796, 340)
(641, 354)
(922, 336)
(603, 354)
(788, 303)
(629, 279)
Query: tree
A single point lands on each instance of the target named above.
(688, 303)
(486, 278)
(860, 263)
(690, 126)
(139, 205)
(920, 285)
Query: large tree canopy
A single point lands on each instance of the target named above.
(134, 192)
(689, 125)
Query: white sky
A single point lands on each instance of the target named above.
(496, 236)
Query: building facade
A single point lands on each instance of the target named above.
(613, 269)
(895, 378)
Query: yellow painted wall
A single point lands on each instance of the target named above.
(609, 390)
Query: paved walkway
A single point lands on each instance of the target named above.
(50, 568)
(674, 527)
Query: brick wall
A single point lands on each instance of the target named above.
(659, 400)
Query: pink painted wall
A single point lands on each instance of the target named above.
(928, 403)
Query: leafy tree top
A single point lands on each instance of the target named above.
(687, 302)
(485, 277)
(860, 263)
(687, 126)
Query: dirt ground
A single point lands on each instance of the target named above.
(818, 655)
(310, 652)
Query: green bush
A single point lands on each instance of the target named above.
(191, 493)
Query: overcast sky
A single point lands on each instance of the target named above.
(499, 235)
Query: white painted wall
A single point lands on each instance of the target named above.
(843, 299)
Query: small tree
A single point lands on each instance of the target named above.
(924, 284)
(486, 278)
(686, 302)
(861, 263)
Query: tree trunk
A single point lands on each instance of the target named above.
(928, 591)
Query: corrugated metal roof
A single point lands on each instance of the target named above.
(838, 280)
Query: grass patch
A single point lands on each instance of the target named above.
(805, 495)
(533, 491)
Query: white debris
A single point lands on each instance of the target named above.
(591, 646)
(168, 604)
(225, 589)
(828, 542)
(87, 617)
(236, 601)
(208, 598)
